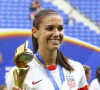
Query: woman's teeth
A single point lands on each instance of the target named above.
(55, 40)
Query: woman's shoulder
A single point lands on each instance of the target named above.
(94, 81)
(12, 69)
(74, 63)
(33, 63)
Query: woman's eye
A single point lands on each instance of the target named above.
(60, 28)
(50, 28)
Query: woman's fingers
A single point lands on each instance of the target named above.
(16, 88)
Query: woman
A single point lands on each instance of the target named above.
(95, 84)
(35, 8)
(87, 73)
(50, 69)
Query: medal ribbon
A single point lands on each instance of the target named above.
(49, 73)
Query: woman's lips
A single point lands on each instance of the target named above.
(54, 40)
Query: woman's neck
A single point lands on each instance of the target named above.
(49, 57)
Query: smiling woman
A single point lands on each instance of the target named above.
(50, 69)
(51, 33)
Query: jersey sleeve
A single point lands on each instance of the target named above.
(10, 79)
(83, 82)
(92, 85)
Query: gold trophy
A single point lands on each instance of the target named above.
(23, 55)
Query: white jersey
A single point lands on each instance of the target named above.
(38, 79)
(95, 85)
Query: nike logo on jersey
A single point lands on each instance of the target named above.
(36, 82)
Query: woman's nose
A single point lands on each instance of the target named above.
(56, 32)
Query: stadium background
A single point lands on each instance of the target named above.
(81, 42)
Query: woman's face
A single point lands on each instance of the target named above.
(88, 76)
(99, 72)
(50, 33)
(5, 88)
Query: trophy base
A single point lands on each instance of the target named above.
(19, 76)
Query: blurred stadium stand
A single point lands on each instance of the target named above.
(15, 14)
(90, 8)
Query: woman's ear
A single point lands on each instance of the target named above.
(34, 32)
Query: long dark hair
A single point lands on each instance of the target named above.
(98, 74)
(61, 59)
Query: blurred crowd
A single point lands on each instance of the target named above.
(35, 8)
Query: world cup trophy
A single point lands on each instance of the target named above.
(23, 56)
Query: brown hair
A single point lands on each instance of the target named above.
(97, 74)
(87, 69)
(2, 87)
(61, 59)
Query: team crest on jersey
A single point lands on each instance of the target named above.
(71, 81)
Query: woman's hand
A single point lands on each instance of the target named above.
(16, 88)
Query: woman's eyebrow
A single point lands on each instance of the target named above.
(53, 25)
(49, 26)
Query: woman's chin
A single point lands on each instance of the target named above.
(54, 48)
